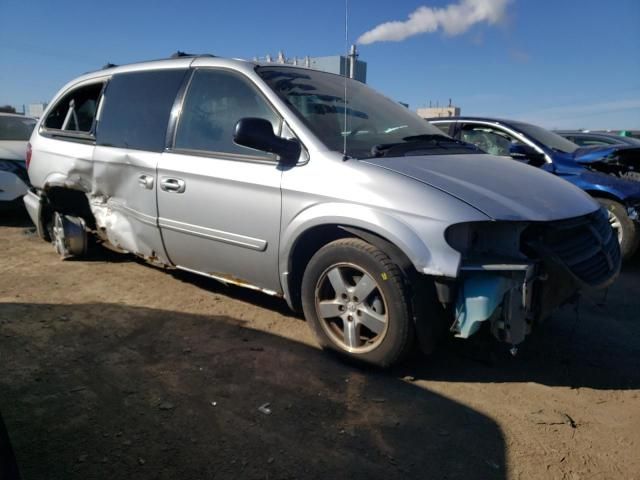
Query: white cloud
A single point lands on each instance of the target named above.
(454, 19)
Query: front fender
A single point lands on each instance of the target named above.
(421, 240)
(596, 183)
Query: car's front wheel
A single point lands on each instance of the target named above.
(626, 229)
(355, 299)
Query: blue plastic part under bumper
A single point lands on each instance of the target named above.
(481, 294)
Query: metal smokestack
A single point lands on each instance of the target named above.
(353, 55)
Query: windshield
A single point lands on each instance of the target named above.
(16, 128)
(547, 138)
(371, 119)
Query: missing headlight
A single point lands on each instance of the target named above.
(486, 239)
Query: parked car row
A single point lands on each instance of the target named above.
(609, 173)
(590, 139)
(384, 231)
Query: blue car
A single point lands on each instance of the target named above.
(607, 173)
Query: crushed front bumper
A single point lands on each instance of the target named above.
(560, 259)
(501, 293)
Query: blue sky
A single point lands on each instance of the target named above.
(568, 63)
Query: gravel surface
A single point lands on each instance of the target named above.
(113, 369)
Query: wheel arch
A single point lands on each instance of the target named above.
(605, 194)
(315, 237)
(67, 201)
(425, 290)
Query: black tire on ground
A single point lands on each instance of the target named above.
(629, 229)
(351, 255)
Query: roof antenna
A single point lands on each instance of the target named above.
(346, 66)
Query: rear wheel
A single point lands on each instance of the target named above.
(68, 235)
(354, 298)
(625, 228)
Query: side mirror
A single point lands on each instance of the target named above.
(258, 133)
(525, 153)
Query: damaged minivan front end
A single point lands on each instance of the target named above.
(514, 274)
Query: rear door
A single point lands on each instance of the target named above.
(130, 136)
(219, 203)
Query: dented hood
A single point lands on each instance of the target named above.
(598, 153)
(500, 188)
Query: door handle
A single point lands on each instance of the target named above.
(145, 181)
(172, 185)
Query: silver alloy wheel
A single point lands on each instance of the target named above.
(68, 235)
(351, 308)
(58, 235)
(616, 225)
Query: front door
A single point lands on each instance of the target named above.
(219, 203)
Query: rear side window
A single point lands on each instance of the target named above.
(76, 111)
(136, 108)
(216, 100)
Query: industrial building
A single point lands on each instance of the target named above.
(35, 109)
(437, 111)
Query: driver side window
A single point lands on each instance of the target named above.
(489, 139)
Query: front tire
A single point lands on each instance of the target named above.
(625, 228)
(356, 301)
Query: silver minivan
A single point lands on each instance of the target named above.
(313, 187)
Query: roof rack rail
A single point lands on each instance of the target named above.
(108, 65)
(179, 54)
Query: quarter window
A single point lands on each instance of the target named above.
(76, 111)
(136, 109)
(216, 100)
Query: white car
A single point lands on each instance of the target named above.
(15, 131)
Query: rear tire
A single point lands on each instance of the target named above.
(626, 229)
(68, 235)
(356, 301)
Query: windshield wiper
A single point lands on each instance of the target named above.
(420, 142)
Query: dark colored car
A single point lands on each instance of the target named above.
(607, 173)
(591, 139)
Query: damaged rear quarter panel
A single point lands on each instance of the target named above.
(124, 210)
(73, 162)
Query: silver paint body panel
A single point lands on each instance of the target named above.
(238, 220)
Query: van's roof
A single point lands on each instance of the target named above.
(179, 61)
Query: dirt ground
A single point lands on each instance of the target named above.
(112, 369)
